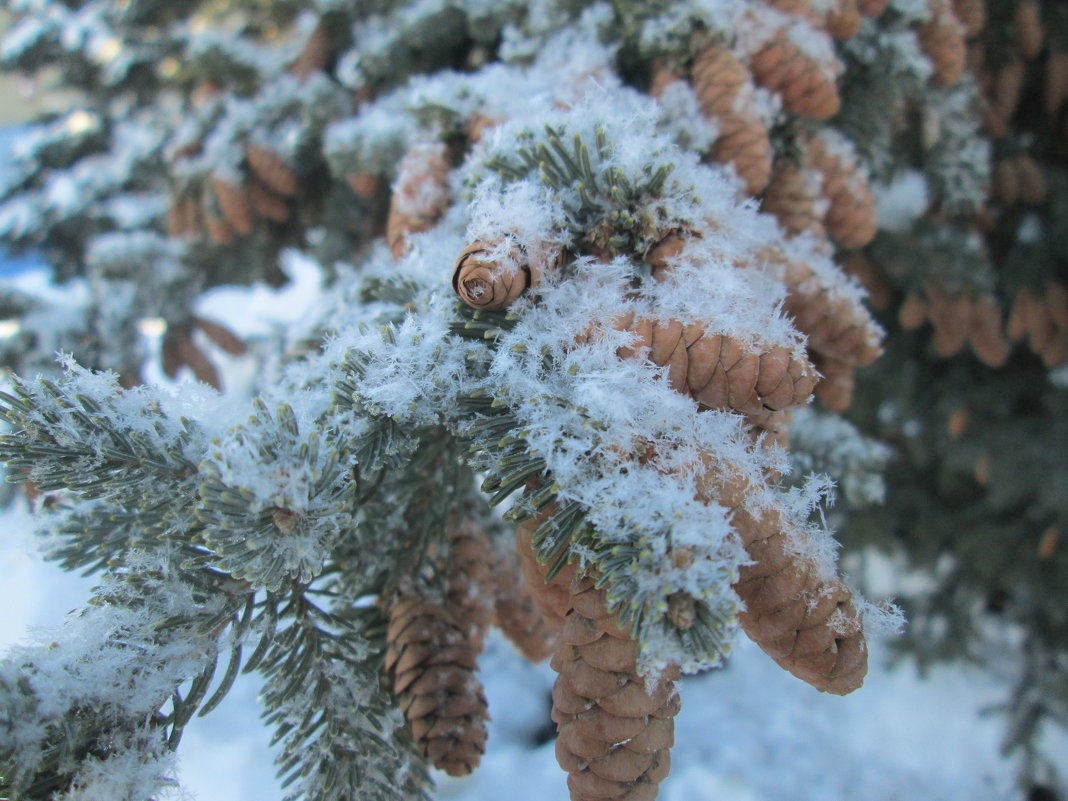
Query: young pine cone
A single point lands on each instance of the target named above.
(420, 195)
(793, 198)
(234, 204)
(724, 89)
(872, 8)
(972, 15)
(431, 663)
(806, 86)
(942, 41)
(719, 371)
(486, 280)
(807, 623)
(850, 218)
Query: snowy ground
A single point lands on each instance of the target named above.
(749, 732)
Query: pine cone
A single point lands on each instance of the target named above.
(266, 203)
(1034, 189)
(793, 198)
(517, 611)
(837, 324)
(615, 727)
(363, 184)
(720, 372)
(1005, 97)
(178, 350)
(807, 87)
(851, 214)
(469, 592)
(837, 384)
(805, 622)
(484, 283)
(275, 172)
(795, 8)
(872, 8)
(972, 15)
(986, 338)
(843, 19)
(951, 318)
(1030, 35)
(420, 195)
(315, 54)
(1055, 91)
(185, 217)
(221, 336)
(719, 78)
(234, 204)
(942, 41)
(432, 666)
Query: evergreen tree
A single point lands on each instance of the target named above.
(589, 263)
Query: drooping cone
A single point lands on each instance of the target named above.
(1030, 35)
(851, 214)
(420, 194)
(615, 727)
(941, 39)
(795, 8)
(719, 371)
(178, 350)
(724, 89)
(431, 664)
(972, 15)
(517, 612)
(843, 19)
(986, 337)
(793, 198)
(1043, 321)
(221, 336)
(872, 8)
(469, 591)
(272, 169)
(1055, 90)
(234, 204)
(185, 217)
(805, 621)
(835, 389)
(315, 54)
(1004, 97)
(484, 278)
(806, 85)
(951, 318)
(266, 203)
(837, 324)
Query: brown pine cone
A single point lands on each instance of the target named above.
(806, 623)
(1004, 98)
(742, 137)
(517, 612)
(615, 727)
(913, 312)
(721, 372)
(843, 19)
(221, 336)
(951, 318)
(872, 8)
(266, 203)
(986, 337)
(234, 204)
(793, 197)
(837, 325)
(1030, 35)
(837, 384)
(851, 214)
(469, 591)
(315, 54)
(420, 195)
(271, 168)
(972, 15)
(432, 667)
(1055, 91)
(1034, 189)
(806, 86)
(743, 142)
(363, 184)
(942, 41)
(871, 277)
(185, 217)
(1005, 182)
(483, 283)
(178, 350)
(795, 8)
